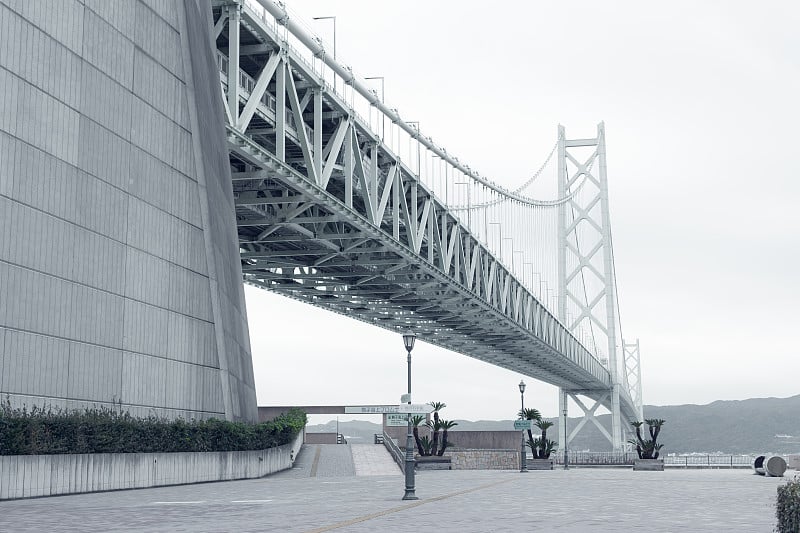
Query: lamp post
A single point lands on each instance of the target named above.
(566, 435)
(523, 459)
(408, 340)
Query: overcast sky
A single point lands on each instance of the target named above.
(701, 106)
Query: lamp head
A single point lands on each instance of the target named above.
(408, 339)
(522, 387)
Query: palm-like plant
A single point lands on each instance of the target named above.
(529, 414)
(445, 424)
(435, 426)
(655, 427)
(647, 449)
(546, 446)
(425, 444)
(541, 448)
(416, 420)
(437, 406)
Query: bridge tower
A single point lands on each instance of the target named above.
(586, 279)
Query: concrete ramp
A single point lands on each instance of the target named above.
(373, 460)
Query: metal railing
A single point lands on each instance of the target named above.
(678, 461)
(710, 461)
(394, 449)
(595, 458)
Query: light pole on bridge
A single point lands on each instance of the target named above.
(333, 18)
(383, 94)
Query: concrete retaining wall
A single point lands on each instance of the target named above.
(468, 440)
(483, 459)
(29, 476)
(321, 438)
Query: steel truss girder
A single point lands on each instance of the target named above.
(555, 365)
(344, 181)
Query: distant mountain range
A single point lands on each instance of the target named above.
(757, 425)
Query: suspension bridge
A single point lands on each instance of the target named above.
(342, 204)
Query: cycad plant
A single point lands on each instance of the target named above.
(529, 414)
(427, 446)
(545, 445)
(445, 424)
(435, 425)
(647, 448)
(416, 420)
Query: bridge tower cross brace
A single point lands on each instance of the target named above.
(571, 272)
(633, 374)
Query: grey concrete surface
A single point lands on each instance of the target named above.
(120, 278)
(574, 501)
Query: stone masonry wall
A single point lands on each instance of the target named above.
(483, 459)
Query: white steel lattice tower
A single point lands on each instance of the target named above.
(586, 292)
(633, 374)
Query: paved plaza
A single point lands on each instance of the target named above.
(317, 497)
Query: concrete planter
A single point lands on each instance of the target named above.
(30, 476)
(433, 463)
(540, 464)
(649, 465)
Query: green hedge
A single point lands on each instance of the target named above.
(787, 508)
(104, 430)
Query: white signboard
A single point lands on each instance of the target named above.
(396, 420)
(415, 408)
(371, 409)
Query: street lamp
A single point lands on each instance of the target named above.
(566, 435)
(523, 459)
(408, 340)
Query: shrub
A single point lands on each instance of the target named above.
(104, 430)
(787, 508)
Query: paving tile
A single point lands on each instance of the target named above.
(573, 501)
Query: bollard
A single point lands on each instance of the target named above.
(771, 466)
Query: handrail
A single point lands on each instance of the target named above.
(394, 450)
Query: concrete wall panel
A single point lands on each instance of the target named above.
(62, 19)
(156, 84)
(105, 101)
(55, 68)
(107, 49)
(154, 35)
(118, 13)
(160, 185)
(103, 154)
